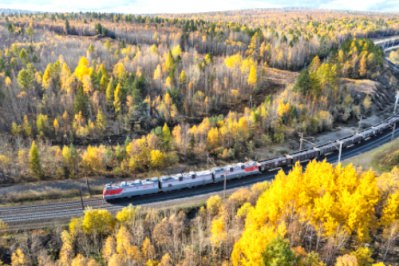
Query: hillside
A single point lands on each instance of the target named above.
(88, 98)
(94, 94)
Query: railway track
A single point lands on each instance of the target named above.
(39, 216)
(28, 217)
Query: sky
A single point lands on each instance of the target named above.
(191, 6)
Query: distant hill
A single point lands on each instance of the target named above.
(16, 11)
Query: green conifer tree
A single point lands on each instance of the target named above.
(34, 162)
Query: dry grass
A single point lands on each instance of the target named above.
(45, 195)
(372, 159)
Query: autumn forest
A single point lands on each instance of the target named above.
(102, 95)
(323, 215)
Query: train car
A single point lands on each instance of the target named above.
(367, 134)
(273, 163)
(185, 180)
(126, 189)
(290, 160)
(172, 182)
(228, 172)
(235, 171)
(304, 155)
(251, 167)
(218, 173)
(199, 178)
(381, 127)
(392, 120)
(328, 148)
(348, 142)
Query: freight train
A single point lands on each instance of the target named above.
(127, 189)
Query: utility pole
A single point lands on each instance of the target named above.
(300, 141)
(224, 186)
(81, 199)
(393, 131)
(88, 187)
(340, 151)
(359, 125)
(396, 102)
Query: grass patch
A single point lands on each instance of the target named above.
(381, 159)
(48, 194)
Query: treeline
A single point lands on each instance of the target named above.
(323, 215)
(288, 43)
